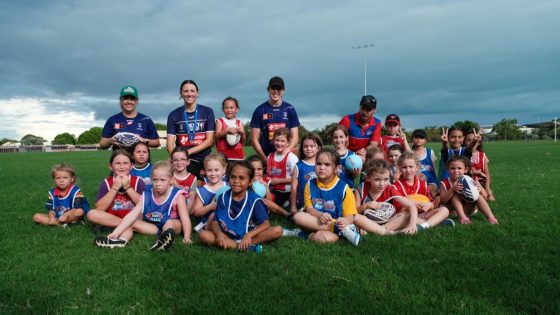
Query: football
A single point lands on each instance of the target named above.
(381, 215)
(233, 138)
(259, 189)
(126, 139)
(470, 191)
(353, 162)
(418, 198)
(220, 192)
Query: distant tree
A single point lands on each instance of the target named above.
(4, 140)
(433, 133)
(302, 132)
(466, 125)
(160, 126)
(92, 136)
(64, 138)
(32, 140)
(326, 132)
(507, 129)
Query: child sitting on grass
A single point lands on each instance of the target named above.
(450, 190)
(241, 219)
(66, 203)
(162, 211)
(409, 185)
(329, 204)
(182, 179)
(142, 166)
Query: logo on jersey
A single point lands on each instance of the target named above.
(267, 116)
(285, 116)
(154, 217)
(118, 126)
(309, 176)
(129, 122)
(274, 171)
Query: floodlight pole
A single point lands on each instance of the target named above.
(555, 124)
(364, 47)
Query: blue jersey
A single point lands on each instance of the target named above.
(268, 118)
(141, 125)
(427, 168)
(206, 196)
(144, 173)
(190, 129)
(445, 155)
(73, 199)
(236, 218)
(343, 173)
(305, 173)
(156, 213)
(328, 200)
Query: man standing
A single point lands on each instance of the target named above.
(129, 121)
(271, 115)
(364, 130)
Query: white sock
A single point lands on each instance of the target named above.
(425, 225)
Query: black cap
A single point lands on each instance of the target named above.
(368, 102)
(393, 118)
(276, 81)
(419, 133)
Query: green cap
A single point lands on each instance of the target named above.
(129, 90)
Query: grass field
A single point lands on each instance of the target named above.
(511, 268)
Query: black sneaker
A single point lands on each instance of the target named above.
(164, 241)
(103, 241)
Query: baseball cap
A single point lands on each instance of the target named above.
(392, 118)
(276, 81)
(368, 102)
(129, 90)
(419, 133)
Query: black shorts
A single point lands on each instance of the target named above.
(197, 169)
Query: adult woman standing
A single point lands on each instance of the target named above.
(191, 126)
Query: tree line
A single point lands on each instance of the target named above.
(505, 129)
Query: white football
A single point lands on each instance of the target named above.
(233, 138)
(381, 215)
(470, 191)
(126, 139)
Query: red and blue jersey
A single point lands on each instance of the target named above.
(236, 218)
(121, 204)
(73, 199)
(359, 137)
(190, 129)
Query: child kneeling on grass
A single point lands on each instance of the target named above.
(162, 207)
(66, 204)
(329, 204)
(241, 218)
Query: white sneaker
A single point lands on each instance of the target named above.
(350, 232)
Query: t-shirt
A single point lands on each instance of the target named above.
(268, 118)
(141, 125)
(359, 137)
(191, 134)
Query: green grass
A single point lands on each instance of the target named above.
(512, 268)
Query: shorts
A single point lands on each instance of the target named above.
(118, 213)
(197, 168)
(280, 197)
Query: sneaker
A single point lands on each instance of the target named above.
(164, 241)
(420, 228)
(103, 241)
(291, 232)
(350, 232)
(447, 223)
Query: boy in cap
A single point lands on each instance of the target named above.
(129, 121)
(394, 135)
(364, 130)
(271, 115)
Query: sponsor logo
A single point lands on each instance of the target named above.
(154, 217)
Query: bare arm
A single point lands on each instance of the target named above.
(255, 135)
(170, 143)
(200, 210)
(207, 143)
(294, 138)
(293, 193)
(185, 219)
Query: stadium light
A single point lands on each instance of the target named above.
(364, 47)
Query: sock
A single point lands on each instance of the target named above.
(425, 225)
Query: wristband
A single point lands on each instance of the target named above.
(113, 188)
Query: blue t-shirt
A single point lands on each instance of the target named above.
(141, 125)
(236, 218)
(144, 173)
(268, 118)
(191, 134)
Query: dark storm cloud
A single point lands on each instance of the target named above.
(441, 61)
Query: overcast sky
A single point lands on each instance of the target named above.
(62, 63)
